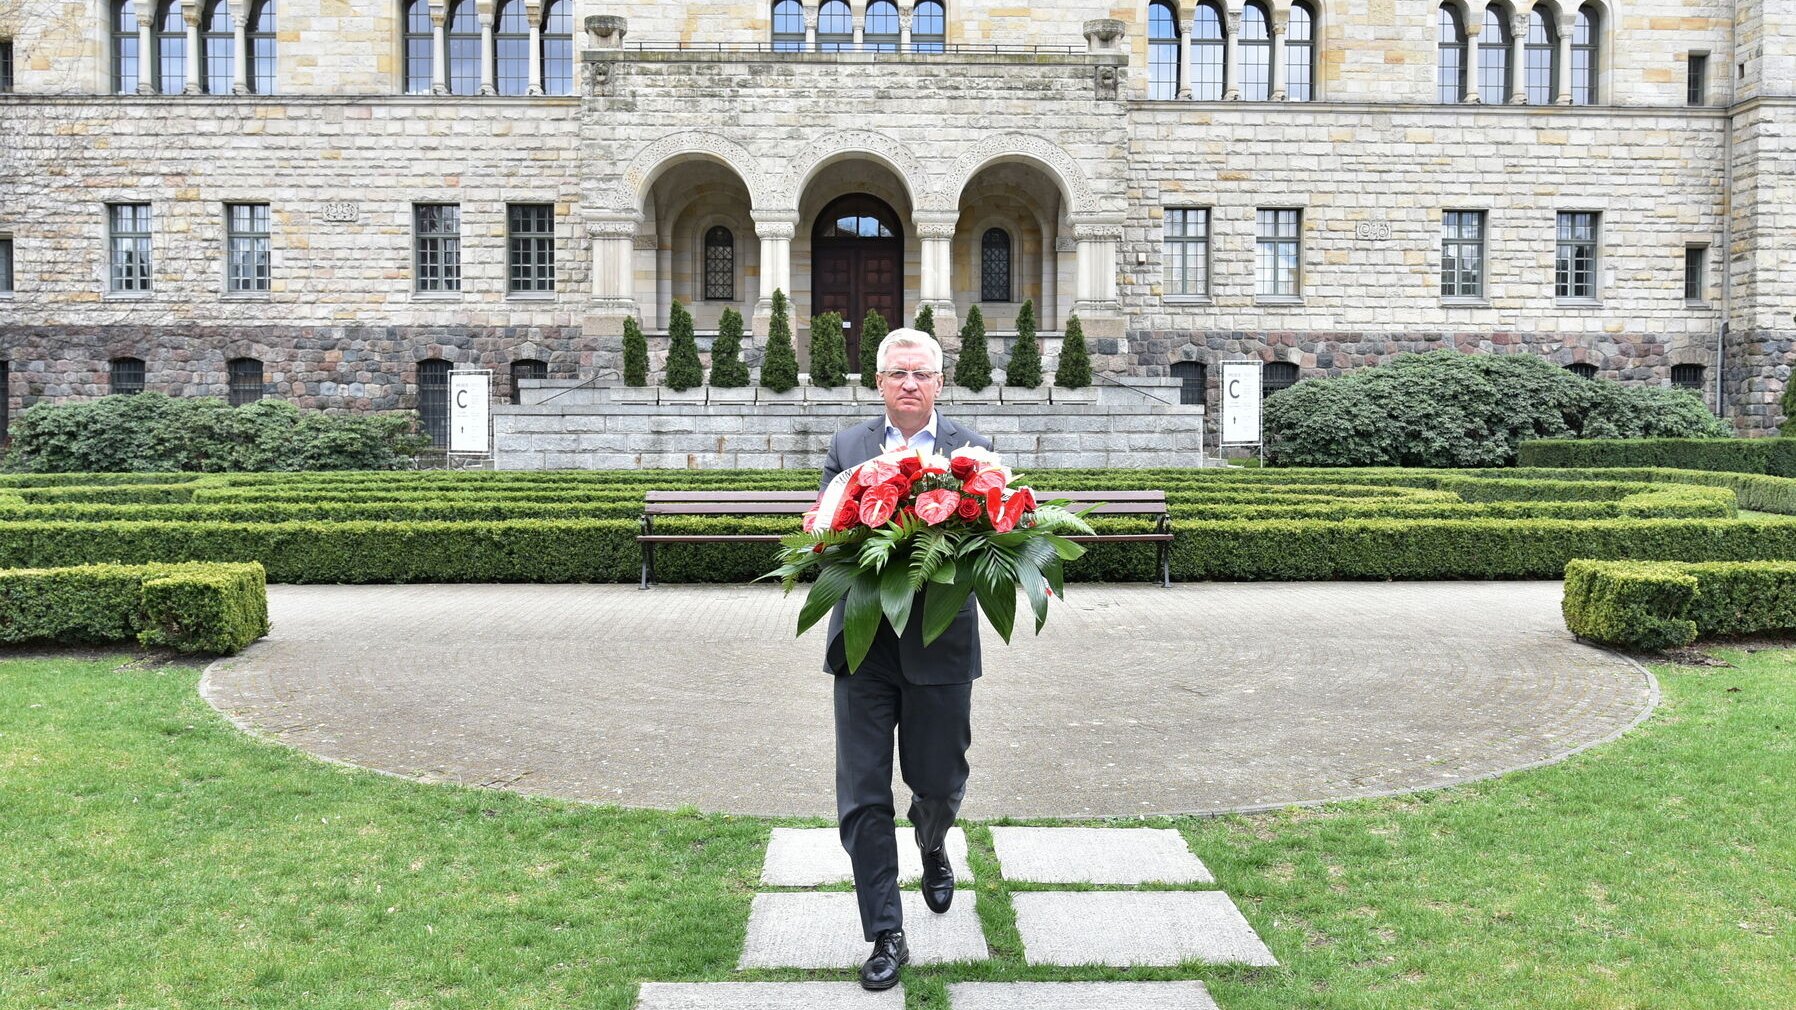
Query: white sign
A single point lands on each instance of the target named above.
(470, 411)
(1241, 402)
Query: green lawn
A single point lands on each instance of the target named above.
(153, 856)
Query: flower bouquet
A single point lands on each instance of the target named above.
(907, 526)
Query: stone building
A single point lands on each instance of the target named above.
(333, 203)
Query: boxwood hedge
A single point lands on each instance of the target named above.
(1654, 605)
(203, 608)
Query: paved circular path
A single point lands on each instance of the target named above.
(1134, 700)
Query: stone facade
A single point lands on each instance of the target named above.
(1036, 122)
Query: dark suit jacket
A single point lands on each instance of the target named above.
(954, 657)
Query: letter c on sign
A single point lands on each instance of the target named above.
(1232, 384)
(461, 398)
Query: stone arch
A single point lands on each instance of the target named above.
(1043, 154)
(875, 147)
(649, 163)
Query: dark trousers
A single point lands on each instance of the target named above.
(934, 730)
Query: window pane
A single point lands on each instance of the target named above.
(994, 258)
(1542, 53)
(1186, 248)
(835, 27)
(1206, 55)
(1300, 55)
(438, 247)
(511, 41)
(247, 260)
(464, 49)
(1687, 376)
(1462, 254)
(929, 27)
(170, 40)
(1583, 57)
(261, 48)
(881, 31)
(720, 265)
(1574, 262)
(1277, 253)
(124, 47)
(1450, 75)
(130, 240)
(558, 48)
(1493, 58)
(1256, 55)
(1162, 53)
(6, 279)
(1699, 72)
(1694, 288)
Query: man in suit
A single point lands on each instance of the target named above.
(924, 692)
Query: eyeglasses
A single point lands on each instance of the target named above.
(899, 374)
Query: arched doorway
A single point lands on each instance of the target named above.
(857, 263)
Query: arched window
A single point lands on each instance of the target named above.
(1193, 381)
(1541, 50)
(1256, 54)
(558, 47)
(433, 400)
(169, 37)
(261, 48)
(1162, 51)
(127, 376)
(1207, 78)
(420, 48)
(720, 265)
(835, 27)
(511, 42)
(1582, 369)
(1277, 375)
(994, 266)
(788, 26)
(464, 49)
(929, 28)
(245, 380)
(526, 368)
(1687, 377)
(1493, 57)
(1583, 57)
(1450, 78)
(1300, 54)
(125, 64)
(881, 32)
(216, 44)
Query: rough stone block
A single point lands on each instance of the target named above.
(1122, 928)
(1097, 856)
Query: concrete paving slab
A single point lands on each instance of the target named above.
(1080, 996)
(1122, 928)
(1097, 856)
(810, 857)
(765, 996)
(823, 930)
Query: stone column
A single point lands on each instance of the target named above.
(904, 18)
(148, 65)
(613, 236)
(1094, 292)
(439, 70)
(810, 28)
(936, 284)
(190, 14)
(1185, 59)
(1518, 55)
(775, 229)
(486, 51)
(857, 12)
(535, 14)
(1231, 59)
(239, 49)
(1474, 28)
(1048, 316)
(1280, 20)
(1562, 80)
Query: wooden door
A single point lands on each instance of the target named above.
(857, 263)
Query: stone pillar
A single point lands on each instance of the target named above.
(1231, 59)
(148, 65)
(904, 18)
(936, 287)
(535, 14)
(1562, 80)
(239, 50)
(1518, 55)
(486, 51)
(1185, 59)
(1474, 27)
(1048, 316)
(1095, 288)
(775, 229)
(439, 69)
(190, 14)
(613, 236)
(1281, 19)
(810, 28)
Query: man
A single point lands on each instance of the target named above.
(925, 692)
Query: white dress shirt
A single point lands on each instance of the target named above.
(923, 440)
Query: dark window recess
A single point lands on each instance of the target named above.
(246, 380)
(1699, 79)
(531, 247)
(1193, 381)
(1687, 376)
(1277, 375)
(526, 368)
(433, 400)
(127, 375)
(994, 258)
(1582, 369)
(5, 64)
(720, 265)
(5, 265)
(1694, 261)
(5, 402)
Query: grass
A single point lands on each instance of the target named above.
(153, 856)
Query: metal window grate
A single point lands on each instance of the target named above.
(130, 246)
(1462, 254)
(994, 266)
(1277, 252)
(245, 380)
(127, 376)
(438, 256)
(1582, 369)
(1687, 376)
(433, 400)
(531, 246)
(1574, 263)
(1277, 375)
(1185, 233)
(558, 48)
(720, 265)
(247, 260)
(1193, 381)
(526, 368)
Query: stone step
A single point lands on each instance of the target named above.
(800, 929)
(811, 857)
(1080, 996)
(1124, 928)
(765, 996)
(1097, 856)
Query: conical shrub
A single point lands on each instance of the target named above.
(779, 369)
(873, 330)
(829, 351)
(636, 354)
(1024, 368)
(973, 369)
(727, 369)
(683, 368)
(1075, 362)
(925, 320)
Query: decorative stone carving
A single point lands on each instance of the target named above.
(779, 227)
(1104, 34)
(1044, 153)
(1097, 231)
(600, 79)
(645, 242)
(893, 154)
(633, 185)
(1108, 83)
(607, 30)
(1065, 243)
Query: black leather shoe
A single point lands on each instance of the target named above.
(890, 952)
(938, 881)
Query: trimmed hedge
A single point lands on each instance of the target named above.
(1654, 605)
(1774, 456)
(215, 609)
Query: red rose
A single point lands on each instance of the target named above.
(936, 506)
(970, 508)
(909, 466)
(962, 467)
(847, 514)
(878, 504)
(1028, 496)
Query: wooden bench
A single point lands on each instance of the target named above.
(795, 503)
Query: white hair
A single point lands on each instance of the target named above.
(905, 337)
